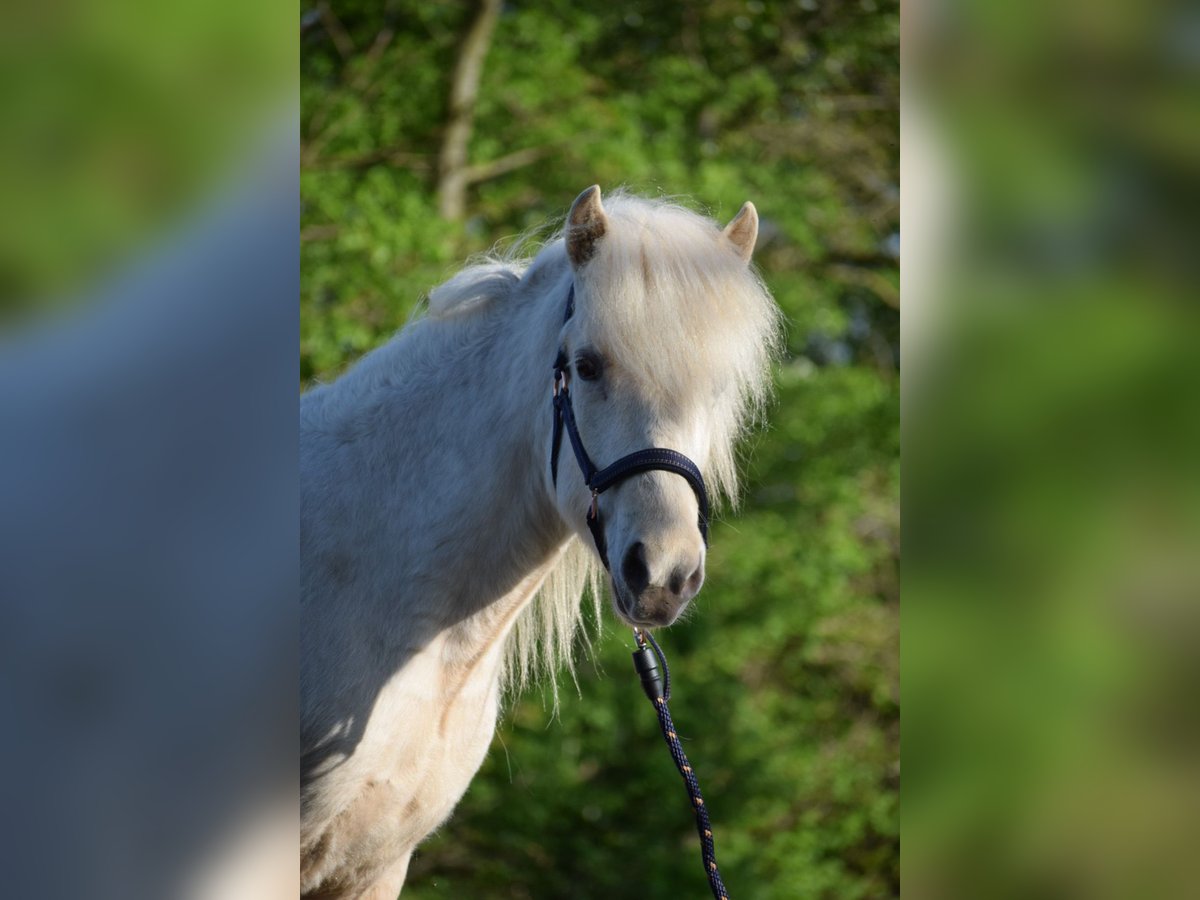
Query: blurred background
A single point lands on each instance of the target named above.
(787, 677)
(122, 120)
(1051, 439)
(149, 270)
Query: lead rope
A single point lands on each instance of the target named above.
(658, 689)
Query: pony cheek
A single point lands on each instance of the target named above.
(572, 500)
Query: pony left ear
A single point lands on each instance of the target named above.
(586, 224)
(742, 231)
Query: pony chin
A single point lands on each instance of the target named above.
(643, 612)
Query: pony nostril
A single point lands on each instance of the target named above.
(633, 568)
(685, 587)
(675, 583)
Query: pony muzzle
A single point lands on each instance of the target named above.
(654, 588)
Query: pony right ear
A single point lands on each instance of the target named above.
(586, 224)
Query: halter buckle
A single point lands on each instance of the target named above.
(593, 511)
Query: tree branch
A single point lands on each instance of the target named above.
(504, 164)
(395, 156)
(871, 280)
(337, 33)
(319, 233)
(464, 90)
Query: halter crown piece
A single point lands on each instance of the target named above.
(600, 480)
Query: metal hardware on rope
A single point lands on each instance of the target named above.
(658, 689)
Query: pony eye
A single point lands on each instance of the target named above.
(587, 368)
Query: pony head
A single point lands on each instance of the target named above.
(669, 346)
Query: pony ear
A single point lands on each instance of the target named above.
(586, 224)
(743, 230)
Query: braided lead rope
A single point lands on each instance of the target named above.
(658, 689)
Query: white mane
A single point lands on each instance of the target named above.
(712, 314)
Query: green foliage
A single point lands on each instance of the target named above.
(786, 674)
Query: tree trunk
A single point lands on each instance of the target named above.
(453, 175)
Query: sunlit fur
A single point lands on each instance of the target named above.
(438, 560)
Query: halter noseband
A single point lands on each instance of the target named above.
(600, 480)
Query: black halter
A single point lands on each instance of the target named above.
(600, 480)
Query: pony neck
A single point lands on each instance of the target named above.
(497, 532)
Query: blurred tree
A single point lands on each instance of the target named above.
(453, 172)
(787, 675)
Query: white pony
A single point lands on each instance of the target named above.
(429, 519)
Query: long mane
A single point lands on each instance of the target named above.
(710, 314)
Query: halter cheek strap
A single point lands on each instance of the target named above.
(600, 480)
